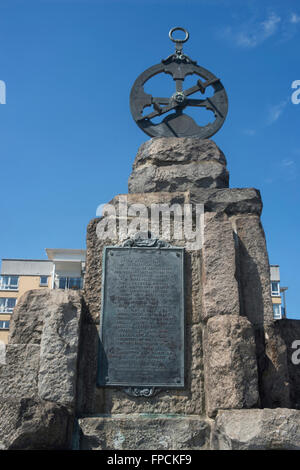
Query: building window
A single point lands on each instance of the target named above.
(7, 305)
(44, 281)
(275, 288)
(9, 282)
(277, 312)
(4, 325)
(74, 283)
(70, 283)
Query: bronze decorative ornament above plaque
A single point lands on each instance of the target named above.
(142, 318)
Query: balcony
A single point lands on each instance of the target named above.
(74, 283)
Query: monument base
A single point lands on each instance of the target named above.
(143, 432)
(258, 429)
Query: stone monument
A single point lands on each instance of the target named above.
(172, 343)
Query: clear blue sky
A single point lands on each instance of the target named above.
(67, 136)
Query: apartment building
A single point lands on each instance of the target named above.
(277, 293)
(64, 269)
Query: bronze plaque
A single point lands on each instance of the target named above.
(142, 318)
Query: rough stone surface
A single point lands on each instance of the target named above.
(264, 429)
(93, 275)
(28, 318)
(19, 376)
(31, 424)
(177, 197)
(59, 348)
(52, 344)
(254, 270)
(220, 287)
(124, 432)
(230, 368)
(253, 274)
(231, 201)
(275, 383)
(38, 380)
(178, 164)
(167, 150)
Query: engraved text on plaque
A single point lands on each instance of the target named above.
(142, 321)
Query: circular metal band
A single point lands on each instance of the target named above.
(178, 124)
(178, 28)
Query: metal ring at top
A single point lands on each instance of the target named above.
(179, 29)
